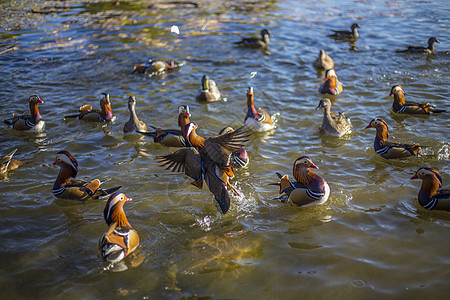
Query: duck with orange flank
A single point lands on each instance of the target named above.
(121, 239)
(67, 187)
(390, 150)
(309, 188)
(400, 106)
(259, 120)
(331, 84)
(86, 112)
(33, 122)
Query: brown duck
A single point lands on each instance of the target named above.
(431, 194)
(32, 122)
(400, 106)
(133, 124)
(261, 43)
(86, 112)
(420, 49)
(324, 61)
(387, 149)
(209, 160)
(171, 137)
(121, 239)
(67, 187)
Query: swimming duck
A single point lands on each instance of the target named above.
(171, 137)
(258, 121)
(32, 122)
(66, 187)
(331, 84)
(86, 112)
(209, 91)
(121, 239)
(157, 67)
(333, 125)
(400, 106)
(309, 189)
(209, 160)
(431, 195)
(7, 163)
(324, 61)
(239, 159)
(387, 149)
(262, 43)
(350, 36)
(419, 49)
(133, 123)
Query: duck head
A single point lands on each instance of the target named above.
(354, 26)
(428, 174)
(205, 83)
(330, 74)
(105, 106)
(381, 126)
(324, 103)
(265, 32)
(432, 40)
(114, 212)
(397, 89)
(301, 170)
(183, 116)
(131, 103)
(66, 162)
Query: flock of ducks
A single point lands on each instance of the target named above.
(214, 159)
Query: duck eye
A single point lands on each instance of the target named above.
(422, 173)
(121, 198)
(305, 162)
(58, 159)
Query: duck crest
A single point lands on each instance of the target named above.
(114, 213)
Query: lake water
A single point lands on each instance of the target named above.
(371, 240)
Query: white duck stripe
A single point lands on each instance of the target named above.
(314, 195)
(29, 123)
(263, 117)
(59, 191)
(432, 204)
(402, 109)
(383, 150)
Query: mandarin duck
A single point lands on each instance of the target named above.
(171, 137)
(258, 121)
(157, 67)
(7, 163)
(350, 36)
(133, 124)
(420, 49)
(209, 160)
(86, 112)
(400, 106)
(209, 92)
(32, 122)
(324, 61)
(431, 195)
(67, 187)
(239, 159)
(331, 84)
(333, 125)
(387, 149)
(261, 43)
(309, 188)
(121, 239)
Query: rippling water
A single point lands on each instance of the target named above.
(371, 239)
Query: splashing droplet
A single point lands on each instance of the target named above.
(175, 29)
(253, 74)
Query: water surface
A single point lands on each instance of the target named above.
(370, 240)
